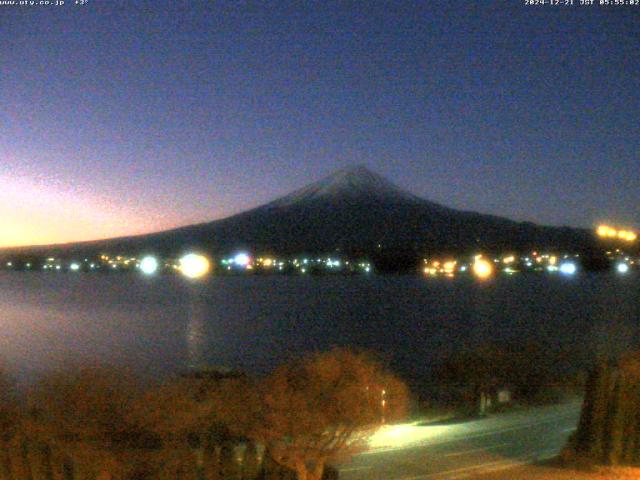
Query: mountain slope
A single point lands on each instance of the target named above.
(353, 211)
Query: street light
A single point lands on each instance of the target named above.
(568, 268)
(482, 268)
(622, 268)
(149, 265)
(194, 266)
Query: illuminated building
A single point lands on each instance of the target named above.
(605, 231)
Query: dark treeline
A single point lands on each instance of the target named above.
(531, 374)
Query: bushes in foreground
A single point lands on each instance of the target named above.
(98, 423)
(531, 374)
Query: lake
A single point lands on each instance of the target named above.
(165, 324)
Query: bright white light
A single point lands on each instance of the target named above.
(74, 267)
(194, 265)
(149, 265)
(241, 259)
(622, 268)
(568, 268)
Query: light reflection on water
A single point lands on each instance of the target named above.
(166, 324)
(196, 335)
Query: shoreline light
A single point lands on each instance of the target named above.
(622, 267)
(194, 266)
(568, 268)
(149, 265)
(241, 259)
(482, 268)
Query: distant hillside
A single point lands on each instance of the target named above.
(352, 211)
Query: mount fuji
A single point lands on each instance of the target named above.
(353, 211)
(350, 185)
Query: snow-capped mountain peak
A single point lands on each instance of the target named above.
(352, 183)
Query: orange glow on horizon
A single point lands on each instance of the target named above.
(34, 213)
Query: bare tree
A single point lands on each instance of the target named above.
(323, 407)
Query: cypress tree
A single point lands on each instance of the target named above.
(609, 427)
(592, 420)
(250, 465)
(612, 435)
(211, 463)
(229, 467)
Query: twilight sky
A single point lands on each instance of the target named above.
(128, 117)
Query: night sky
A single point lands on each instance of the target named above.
(130, 117)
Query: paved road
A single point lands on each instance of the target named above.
(465, 450)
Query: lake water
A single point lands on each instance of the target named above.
(166, 324)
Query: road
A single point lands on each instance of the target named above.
(465, 450)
